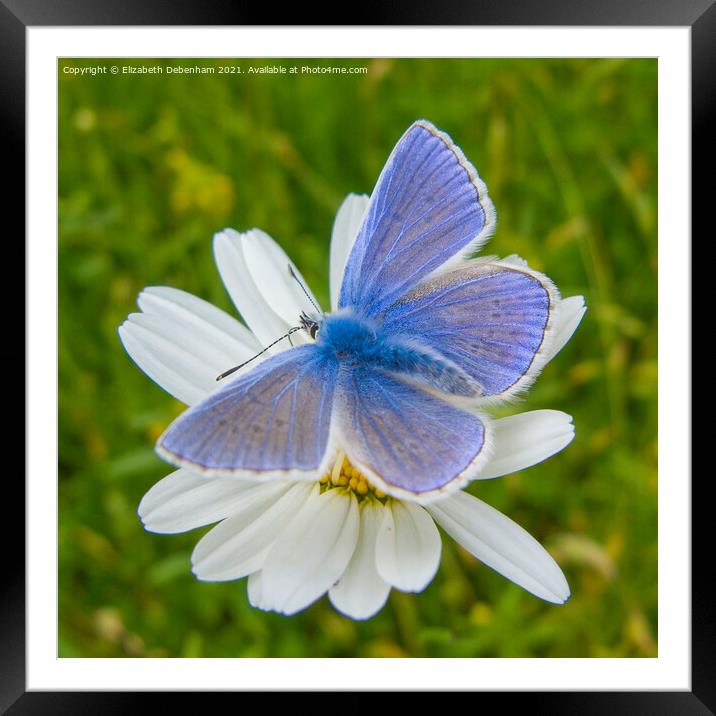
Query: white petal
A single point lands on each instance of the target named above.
(238, 546)
(184, 500)
(183, 342)
(258, 315)
(181, 345)
(312, 552)
(361, 592)
(407, 550)
(515, 260)
(523, 440)
(502, 545)
(345, 230)
(569, 314)
(175, 369)
(254, 591)
(207, 323)
(269, 267)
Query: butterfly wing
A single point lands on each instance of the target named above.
(272, 421)
(405, 440)
(428, 205)
(490, 318)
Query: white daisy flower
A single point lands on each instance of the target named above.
(297, 540)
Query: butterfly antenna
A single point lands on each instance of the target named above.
(303, 288)
(271, 345)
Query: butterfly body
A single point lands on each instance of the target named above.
(349, 337)
(356, 341)
(395, 377)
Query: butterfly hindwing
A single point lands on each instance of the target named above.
(272, 420)
(490, 318)
(409, 442)
(428, 205)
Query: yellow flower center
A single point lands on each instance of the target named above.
(345, 475)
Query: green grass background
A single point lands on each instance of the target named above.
(150, 166)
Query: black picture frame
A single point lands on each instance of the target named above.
(699, 15)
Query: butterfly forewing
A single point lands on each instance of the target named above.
(491, 319)
(428, 205)
(274, 419)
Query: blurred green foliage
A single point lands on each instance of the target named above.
(151, 165)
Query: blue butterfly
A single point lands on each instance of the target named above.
(423, 336)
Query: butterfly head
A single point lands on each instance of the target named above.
(311, 323)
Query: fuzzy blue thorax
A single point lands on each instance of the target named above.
(358, 342)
